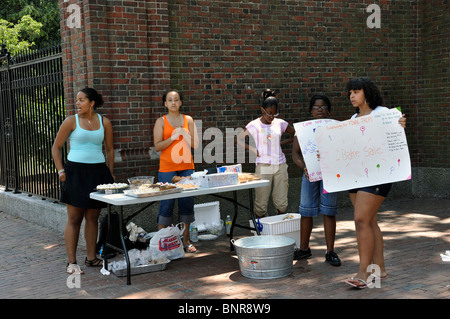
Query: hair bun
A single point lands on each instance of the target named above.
(267, 93)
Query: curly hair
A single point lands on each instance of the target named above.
(371, 91)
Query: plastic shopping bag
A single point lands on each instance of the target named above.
(167, 243)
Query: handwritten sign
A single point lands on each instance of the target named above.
(365, 151)
(306, 137)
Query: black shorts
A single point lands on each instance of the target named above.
(380, 190)
(81, 180)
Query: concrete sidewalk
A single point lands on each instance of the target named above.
(416, 232)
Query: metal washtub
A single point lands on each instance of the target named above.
(265, 257)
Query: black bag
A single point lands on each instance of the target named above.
(114, 235)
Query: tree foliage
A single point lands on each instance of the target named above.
(20, 36)
(43, 12)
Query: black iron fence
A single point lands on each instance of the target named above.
(31, 110)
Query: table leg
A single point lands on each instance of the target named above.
(105, 240)
(127, 258)
(233, 223)
(252, 214)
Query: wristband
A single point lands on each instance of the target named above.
(60, 171)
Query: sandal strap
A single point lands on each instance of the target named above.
(93, 263)
(190, 248)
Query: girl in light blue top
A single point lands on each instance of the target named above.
(86, 167)
(86, 145)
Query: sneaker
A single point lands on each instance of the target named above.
(332, 258)
(74, 269)
(302, 254)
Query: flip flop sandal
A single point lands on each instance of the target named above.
(93, 263)
(190, 248)
(364, 284)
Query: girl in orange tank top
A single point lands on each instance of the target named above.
(174, 135)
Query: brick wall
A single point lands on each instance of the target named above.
(122, 51)
(432, 131)
(222, 54)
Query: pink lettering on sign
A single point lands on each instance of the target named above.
(373, 150)
(349, 154)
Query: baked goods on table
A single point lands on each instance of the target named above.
(156, 189)
(112, 186)
(177, 179)
(137, 181)
(157, 186)
(247, 177)
(187, 186)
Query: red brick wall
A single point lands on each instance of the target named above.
(432, 131)
(122, 50)
(222, 54)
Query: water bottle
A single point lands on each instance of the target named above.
(228, 225)
(193, 233)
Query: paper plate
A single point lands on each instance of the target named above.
(207, 237)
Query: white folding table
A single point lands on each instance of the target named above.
(120, 200)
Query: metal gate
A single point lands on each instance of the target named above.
(31, 110)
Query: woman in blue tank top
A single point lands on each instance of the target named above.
(85, 168)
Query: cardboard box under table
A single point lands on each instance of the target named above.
(206, 213)
(284, 224)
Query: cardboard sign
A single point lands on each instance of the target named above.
(365, 151)
(305, 132)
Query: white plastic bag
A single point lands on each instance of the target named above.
(167, 243)
(135, 232)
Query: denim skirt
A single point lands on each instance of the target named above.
(81, 180)
(313, 200)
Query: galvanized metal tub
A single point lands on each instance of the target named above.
(265, 257)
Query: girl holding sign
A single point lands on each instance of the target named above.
(366, 98)
(312, 198)
(266, 132)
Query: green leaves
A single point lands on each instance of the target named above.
(20, 36)
(29, 23)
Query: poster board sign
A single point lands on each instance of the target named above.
(305, 132)
(365, 151)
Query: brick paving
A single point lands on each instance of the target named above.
(416, 232)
